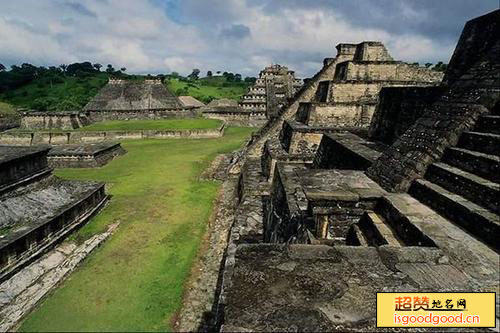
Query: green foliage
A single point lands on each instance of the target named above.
(208, 88)
(440, 67)
(135, 280)
(7, 111)
(57, 92)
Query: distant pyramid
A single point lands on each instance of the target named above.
(123, 95)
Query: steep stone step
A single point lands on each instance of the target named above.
(478, 221)
(404, 230)
(474, 188)
(377, 232)
(355, 237)
(487, 143)
(483, 165)
(488, 124)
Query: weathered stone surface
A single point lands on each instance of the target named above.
(122, 95)
(274, 86)
(394, 241)
(20, 293)
(83, 156)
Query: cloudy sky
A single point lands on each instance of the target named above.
(242, 36)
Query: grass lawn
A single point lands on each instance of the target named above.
(134, 281)
(164, 124)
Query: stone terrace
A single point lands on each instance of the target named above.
(38, 209)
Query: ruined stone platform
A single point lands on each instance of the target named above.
(89, 155)
(311, 288)
(38, 209)
(20, 165)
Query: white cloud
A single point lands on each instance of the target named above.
(145, 37)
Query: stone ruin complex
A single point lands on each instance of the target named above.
(272, 89)
(38, 209)
(377, 176)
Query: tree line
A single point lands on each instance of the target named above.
(20, 75)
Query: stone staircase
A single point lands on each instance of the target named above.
(464, 185)
(387, 224)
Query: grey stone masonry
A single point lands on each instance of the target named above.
(274, 86)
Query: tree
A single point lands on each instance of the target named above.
(195, 74)
(440, 67)
(98, 67)
(250, 79)
(80, 69)
(2, 67)
(218, 72)
(63, 67)
(209, 73)
(110, 69)
(174, 74)
(123, 69)
(428, 64)
(237, 77)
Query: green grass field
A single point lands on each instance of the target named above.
(7, 111)
(134, 281)
(208, 88)
(165, 124)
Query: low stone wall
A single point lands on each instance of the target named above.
(399, 108)
(58, 138)
(21, 247)
(345, 114)
(93, 158)
(344, 151)
(67, 120)
(18, 165)
(238, 118)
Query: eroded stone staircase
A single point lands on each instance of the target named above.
(464, 185)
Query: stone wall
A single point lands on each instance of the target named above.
(399, 108)
(475, 92)
(238, 118)
(84, 156)
(344, 150)
(385, 71)
(57, 138)
(371, 51)
(18, 248)
(48, 120)
(18, 164)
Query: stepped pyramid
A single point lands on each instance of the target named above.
(122, 95)
(327, 215)
(275, 85)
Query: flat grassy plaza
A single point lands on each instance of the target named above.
(134, 281)
(163, 124)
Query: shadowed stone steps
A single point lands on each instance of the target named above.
(487, 143)
(488, 124)
(474, 188)
(372, 230)
(479, 221)
(483, 165)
